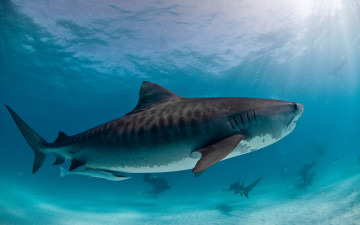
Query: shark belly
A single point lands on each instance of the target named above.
(253, 144)
(258, 142)
(146, 160)
(149, 152)
(182, 164)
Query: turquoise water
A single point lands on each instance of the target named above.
(73, 65)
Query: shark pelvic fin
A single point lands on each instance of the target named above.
(61, 136)
(59, 160)
(216, 152)
(76, 164)
(151, 94)
(36, 142)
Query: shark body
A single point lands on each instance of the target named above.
(238, 188)
(166, 132)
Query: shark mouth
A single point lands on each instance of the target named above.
(292, 122)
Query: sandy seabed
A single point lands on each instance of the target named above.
(337, 202)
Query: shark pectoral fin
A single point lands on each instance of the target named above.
(59, 160)
(76, 164)
(199, 173)
(216, 152)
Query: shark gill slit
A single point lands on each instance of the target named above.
(236, 118)
(232, 126)
(247, 115)
(236, 123)
(255, 117)
(242, 121)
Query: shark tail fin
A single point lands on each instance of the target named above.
(35, 141)
(250, 187)
(63, 172)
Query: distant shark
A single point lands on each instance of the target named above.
(306, 175)
(238, 188)
(160, 185)
(166, 132)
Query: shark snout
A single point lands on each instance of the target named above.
(299, 108)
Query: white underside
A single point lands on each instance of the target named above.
(244, 147)
(259, 142)
(184, 164)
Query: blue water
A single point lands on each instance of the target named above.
(72, 65)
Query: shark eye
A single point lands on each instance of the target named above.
(295, 106)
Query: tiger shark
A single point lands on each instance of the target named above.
(166, 132)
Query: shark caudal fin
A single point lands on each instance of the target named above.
(250, 187)
(33, 139)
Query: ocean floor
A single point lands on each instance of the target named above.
(334, 201)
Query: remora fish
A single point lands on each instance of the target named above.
(166, 132)
(95, 173)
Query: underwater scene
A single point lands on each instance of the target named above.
(180, 112)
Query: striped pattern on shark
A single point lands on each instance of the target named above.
(166, 132)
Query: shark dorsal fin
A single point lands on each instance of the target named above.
(61, 136)
(150, 94)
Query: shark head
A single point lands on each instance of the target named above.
(263, 121)
(277, 118)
